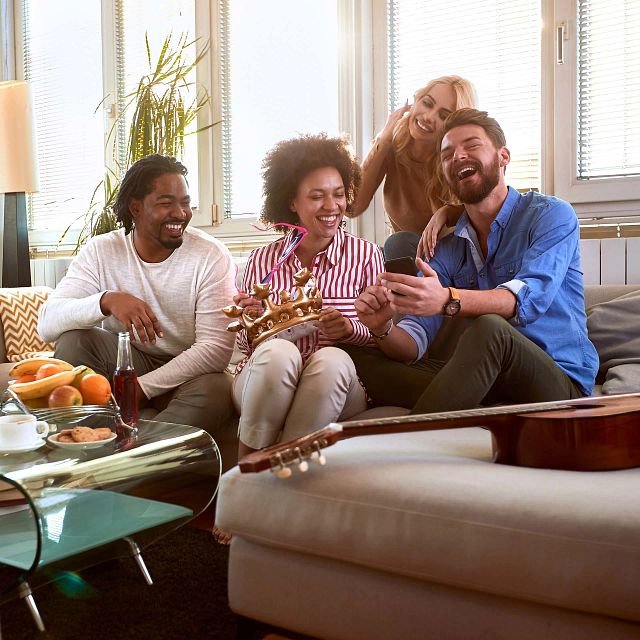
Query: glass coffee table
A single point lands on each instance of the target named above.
(64, 509)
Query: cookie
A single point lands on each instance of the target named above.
(65, 437)
(83, 434)
(102, 433)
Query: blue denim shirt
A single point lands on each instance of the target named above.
(534, 251)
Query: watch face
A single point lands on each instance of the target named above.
(452, 307)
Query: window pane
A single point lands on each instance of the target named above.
(67, 88)
(280, 78)
(608, 88)
(158, 19)
(493, 43)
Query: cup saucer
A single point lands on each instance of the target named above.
(23, 448)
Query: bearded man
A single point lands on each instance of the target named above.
(511, 269)
(165, 283)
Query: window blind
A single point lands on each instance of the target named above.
(608, 118)
(279, 78)
(493, 43)
(62, 61)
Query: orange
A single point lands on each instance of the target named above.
(47, 370)
(79, 376)
(27, 377)
(95, 389)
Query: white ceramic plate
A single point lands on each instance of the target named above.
(53, 439)
(36, 444)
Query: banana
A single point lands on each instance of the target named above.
(31, 365)
(42, 388)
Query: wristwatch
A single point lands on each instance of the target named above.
(453, 305)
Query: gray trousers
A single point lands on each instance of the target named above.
(204, 402)
(492, 363)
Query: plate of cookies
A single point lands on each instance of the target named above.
(82, 437)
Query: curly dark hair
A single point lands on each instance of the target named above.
(138, 182)
(285, 166)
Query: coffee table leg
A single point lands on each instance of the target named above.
(135, 552)
(26, 595)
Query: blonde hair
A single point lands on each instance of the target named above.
(436, 190)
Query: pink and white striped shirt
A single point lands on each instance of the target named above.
(342, 271)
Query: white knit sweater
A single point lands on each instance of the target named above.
(186, 291)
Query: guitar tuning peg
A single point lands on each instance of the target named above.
(284, 472)
(280, 469)
(320, 458)
(303, 465)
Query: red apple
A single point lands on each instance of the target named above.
(65, 396)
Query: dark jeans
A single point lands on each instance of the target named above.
(492, 363)
(400, 244)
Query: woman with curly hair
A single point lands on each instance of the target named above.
(405, 155)
(287, 388)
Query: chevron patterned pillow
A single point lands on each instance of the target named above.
(19, 309)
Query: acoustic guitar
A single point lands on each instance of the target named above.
(587, 434)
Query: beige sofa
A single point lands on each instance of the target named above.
(419, 536)
(227, 442)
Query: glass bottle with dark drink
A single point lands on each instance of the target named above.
(125, 386)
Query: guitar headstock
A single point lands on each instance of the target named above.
(281, 457)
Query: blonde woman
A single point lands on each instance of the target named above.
(404, 154)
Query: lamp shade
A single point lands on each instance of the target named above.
(18, 164)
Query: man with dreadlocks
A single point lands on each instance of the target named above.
(165, 283)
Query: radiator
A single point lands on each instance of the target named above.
(604, 261)
(611, 260)
(47, 272)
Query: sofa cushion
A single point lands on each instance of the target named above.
(613, 328)
(19, 308)
(433, 506)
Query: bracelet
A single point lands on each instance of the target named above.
(382, 336)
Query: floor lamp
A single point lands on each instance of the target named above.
(18, 176)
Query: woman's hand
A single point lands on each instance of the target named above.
(445, 216)
(334, 325)
(429, 239)
(386, 135)
(245, 301)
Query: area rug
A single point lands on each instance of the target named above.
(187, 600)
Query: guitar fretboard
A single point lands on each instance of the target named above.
(511, 409)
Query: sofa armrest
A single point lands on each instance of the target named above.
(3, 350)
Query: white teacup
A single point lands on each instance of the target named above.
(18, 431)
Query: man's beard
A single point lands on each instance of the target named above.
(469, 193)
(173, 243)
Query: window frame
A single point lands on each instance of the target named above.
(355, 72)
(45, 242)
(602, 197)
(363, 111)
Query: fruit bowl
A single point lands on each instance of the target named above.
(11, 403)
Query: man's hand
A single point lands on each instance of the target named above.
(374, 309)
(416, 296)
(133, 313)
(334, 325)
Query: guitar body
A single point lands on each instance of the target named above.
(585, 438)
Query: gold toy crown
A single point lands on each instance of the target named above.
(305, 306)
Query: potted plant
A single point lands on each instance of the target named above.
(161, 112)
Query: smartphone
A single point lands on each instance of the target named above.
(404, 265)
